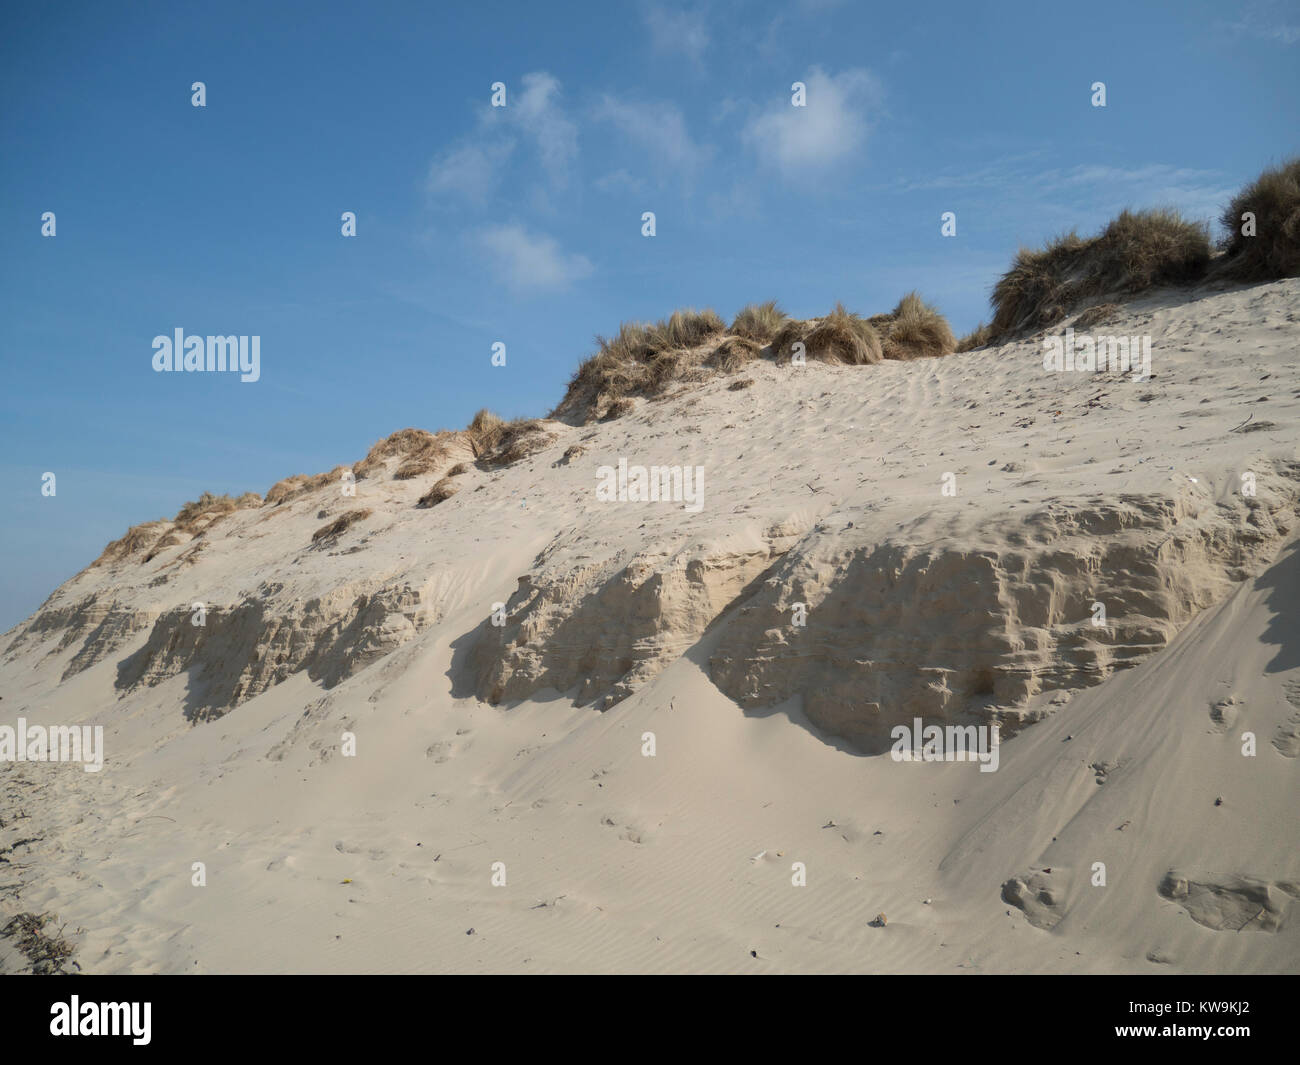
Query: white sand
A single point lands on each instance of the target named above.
(1070, 487)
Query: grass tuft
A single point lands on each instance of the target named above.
(843, 337)
(915, 330)
(327, 534)
(440, 492)
(759, 322)
(640, 360)
(977, 338)
(1274, 251)
(1138, 250)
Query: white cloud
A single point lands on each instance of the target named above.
(530, 260)
(470, 169)
(677, 31)
(831, 128)
(660, 129)
(539, 115)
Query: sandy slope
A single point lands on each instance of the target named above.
(822, 486)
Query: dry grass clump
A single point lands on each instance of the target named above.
(196, 518)
(519, 439)
(632, 343)
(420, 451)
(791, 332)
(1136, 251)
(137, 538)
(1034, 292)
(402, 442)
(733, 353)
(332, 531)
(418, 465)
(687, 328)
(284, 489)
(1142, 249)
(484, 432)
(193, 519)
(845, 338)
(443, 490)
(759, 322)
(300, 484)
(668, 366)
(617, 409)
(45, 953)
(915, 330)
(169, 539)
(496, 442)
(640, 359)
(205, 511)
(977, 338)
(1274, 251)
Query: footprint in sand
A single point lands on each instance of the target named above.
(1039, 895)
(443, 750)
(630, 832)
(1229, 902)
(1224, 713)
(375, 854)
(1287, 737)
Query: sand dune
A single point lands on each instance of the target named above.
(1172, 502)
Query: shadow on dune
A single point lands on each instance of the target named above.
(1283, 583)
(464, 684)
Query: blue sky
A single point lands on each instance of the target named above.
(523, 224)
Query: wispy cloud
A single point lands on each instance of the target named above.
(1197, 193)
(617, 181)
(1266, 29)
(472, 168)
(832, 127)
(677, 31)
(527, 260)
(659, 129)
(541, 115)
(470, 171)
